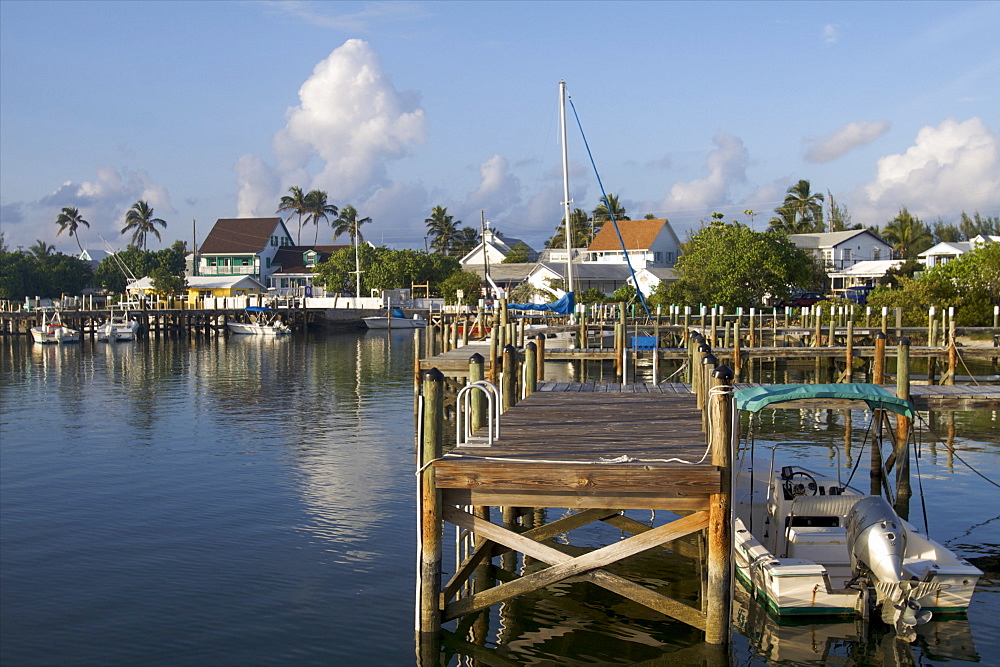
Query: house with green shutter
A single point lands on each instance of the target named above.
(243, 247)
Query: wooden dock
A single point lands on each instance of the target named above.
(597, 450)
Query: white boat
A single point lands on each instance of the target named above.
(52, 330)
(118, 327)
(263, 322)
(395, 320)
(811, 545)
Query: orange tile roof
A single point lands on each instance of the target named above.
(637, 234)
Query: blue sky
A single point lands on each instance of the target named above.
(213, 109)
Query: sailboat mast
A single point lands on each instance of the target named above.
(566, 201)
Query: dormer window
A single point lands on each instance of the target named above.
(309, 258)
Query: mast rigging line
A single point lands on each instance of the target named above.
(611, 214)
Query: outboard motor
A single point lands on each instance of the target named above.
(877, 541)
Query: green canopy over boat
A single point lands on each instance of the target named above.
(755, 399)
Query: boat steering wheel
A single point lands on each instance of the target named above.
(801, 489)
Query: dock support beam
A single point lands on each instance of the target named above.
(429, 516)
(719, 611)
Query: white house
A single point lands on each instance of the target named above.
(861, 274)
(243, 247)
(649, 243)
(494, 248)
(648, 278)
(946, 251)
(605, 277)
(840, 250)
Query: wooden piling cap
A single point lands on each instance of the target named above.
(433, 374)
(724, 373)
(709, 360)
(476, 359)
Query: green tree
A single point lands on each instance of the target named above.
(348, 222)
(603, 211)
(294, 203)
(386, 269)
(318, 208)
(165, 283)
(732, 265)
(469, 283)
(802, 211)
(40, 249)
(580, 224)
(466, 241)
(908, 235)
(443, 229)
(140, 221)
(838, 217)
(45, 274)
(591, 295)
(970, 284)
(519, 254)
(69, 221)
(624, 293)
(945, 232)
(979, 225)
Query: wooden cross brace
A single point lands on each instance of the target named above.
(586, 567)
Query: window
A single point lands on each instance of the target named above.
(274, 240)
(657, 257)
(269, 262)
(210, 261)
(828, 257)
(205, 293)
(670, 257)
(876, 253)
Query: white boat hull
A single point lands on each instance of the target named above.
(117, 330)
(394, 323)
(53, 331)
(802, 569)
(253, 329)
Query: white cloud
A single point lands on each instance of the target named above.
(951, 167)
(499, 189)
(102, 201)
(351, 119)
(360, 21)
(726, 166)
(845, 139)
(831, 33)
(258, 187)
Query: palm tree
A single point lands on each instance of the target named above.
(294, 203)
(802, 211)
(443, 228)
(908, 235)
(69, 221)
(582, 231)
(41, 249)
(604, 211)
(140, 221)
(347, 222)
(466, 239)
(318, 209)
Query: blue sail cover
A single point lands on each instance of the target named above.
(563, 306)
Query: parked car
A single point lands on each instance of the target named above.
(805, 299)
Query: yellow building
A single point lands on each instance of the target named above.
(207, 286)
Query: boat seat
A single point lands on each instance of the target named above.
(823, 505)
(824, 544)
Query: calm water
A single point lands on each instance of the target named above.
(251, 502)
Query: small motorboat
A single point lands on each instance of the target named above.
(395, 320)
(118, 327)
(52, 330)
(811, 545)
(262, 322)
